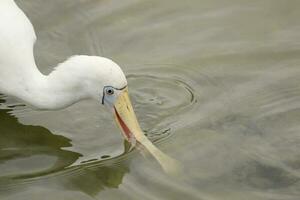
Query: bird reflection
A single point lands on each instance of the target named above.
(21, 145)
(22, 142)
(93, 180)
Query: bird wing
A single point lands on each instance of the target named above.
(17, 38)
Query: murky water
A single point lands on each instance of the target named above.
(214, 83)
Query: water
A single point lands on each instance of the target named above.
(215, 84)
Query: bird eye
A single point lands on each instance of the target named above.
(110, 91)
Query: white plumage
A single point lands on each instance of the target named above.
(79, 77)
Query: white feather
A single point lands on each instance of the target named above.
(79, 77)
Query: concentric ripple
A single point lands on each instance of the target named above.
(157, 99)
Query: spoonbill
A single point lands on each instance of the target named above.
(79, 77)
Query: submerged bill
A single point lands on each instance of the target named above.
(127, 121)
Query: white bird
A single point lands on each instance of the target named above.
(79, 77)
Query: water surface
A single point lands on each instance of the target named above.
(215, 84)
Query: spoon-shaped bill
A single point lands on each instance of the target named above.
(127, 121)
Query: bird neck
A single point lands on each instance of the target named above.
(57, 90)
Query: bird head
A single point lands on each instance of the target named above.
(106, 83)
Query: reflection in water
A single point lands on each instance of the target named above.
(20, 144)
(24, 146)
(91, 180)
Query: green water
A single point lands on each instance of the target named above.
(214, 83)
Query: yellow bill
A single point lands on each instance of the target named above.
(127, 121)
